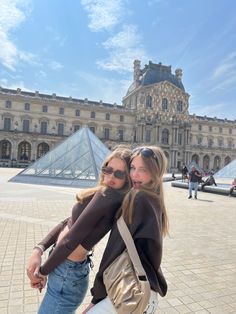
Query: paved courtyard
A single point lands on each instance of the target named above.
(199, 256)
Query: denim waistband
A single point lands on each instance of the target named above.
(73, 263)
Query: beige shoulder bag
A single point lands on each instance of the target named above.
(125, 279)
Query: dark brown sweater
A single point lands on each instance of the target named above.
(146, 232)
(88, 223)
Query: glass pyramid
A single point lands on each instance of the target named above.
(75, 162)
(228, 172)
(193, 163)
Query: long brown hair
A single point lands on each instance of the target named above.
(156, 167)
(121, 153)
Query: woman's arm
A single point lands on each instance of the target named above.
(35, 259)
(94, 212)
(52, 236)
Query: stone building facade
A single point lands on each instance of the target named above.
(154, 112)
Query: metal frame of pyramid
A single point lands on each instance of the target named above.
(75, 162)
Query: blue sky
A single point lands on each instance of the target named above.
(86, 48)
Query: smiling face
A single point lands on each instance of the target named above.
(109, 179)
(139, 173)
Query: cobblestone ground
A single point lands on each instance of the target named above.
(199, 256)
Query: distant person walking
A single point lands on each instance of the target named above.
(184, 172)
(209, 181)
(194, 177)
(233, 187)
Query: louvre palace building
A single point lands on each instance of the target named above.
(154, 111)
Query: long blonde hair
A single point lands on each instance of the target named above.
(121, 153)
(156, 167)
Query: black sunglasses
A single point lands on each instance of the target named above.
(145, 152)
(118, 174)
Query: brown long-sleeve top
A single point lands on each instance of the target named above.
(89, 222)
(146, 232)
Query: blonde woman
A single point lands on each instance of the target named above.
(91, 218)
(144, 211)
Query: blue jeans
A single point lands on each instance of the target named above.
(193, 185)
(66, 288)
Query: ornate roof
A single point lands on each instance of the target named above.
(156, 73)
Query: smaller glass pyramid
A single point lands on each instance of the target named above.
(228, 172)
(193, 163)
(75, 162)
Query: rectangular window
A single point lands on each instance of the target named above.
(27, 106)
(7, 124)
(25, 125)
(106, 134)
(199, 127)
(121, 118)
(8, 104)
(77, 112)
(180, 138)
(60, 130)
(43, 127)
(230, 131)
(92, 115)
(210, 128)
(120, 135)
(107, 116)
(210, 143)
(92, 128)
(76, 127)
(61, 110)
(148, 136)
(45, 108)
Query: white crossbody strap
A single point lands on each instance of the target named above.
(133, 254)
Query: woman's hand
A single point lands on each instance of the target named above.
(88, 308)
(40, 283)
(33, 266)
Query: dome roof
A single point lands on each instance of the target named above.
(155, 73)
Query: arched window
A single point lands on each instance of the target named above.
(24, 151)
(206, 162)
(164, 104)
(42, 149)
(5, 149)
(165, 136)
(216, 163)
(149, 101)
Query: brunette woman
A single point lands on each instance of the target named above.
(144, 211)
(92, 217)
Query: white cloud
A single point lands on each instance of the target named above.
(20, 85)
(13, 13)
(103, 14)
(123, 49)
(226, 67)
(54, 65)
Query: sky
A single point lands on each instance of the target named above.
(86, 48)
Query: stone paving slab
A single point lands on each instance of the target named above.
(199, 256)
